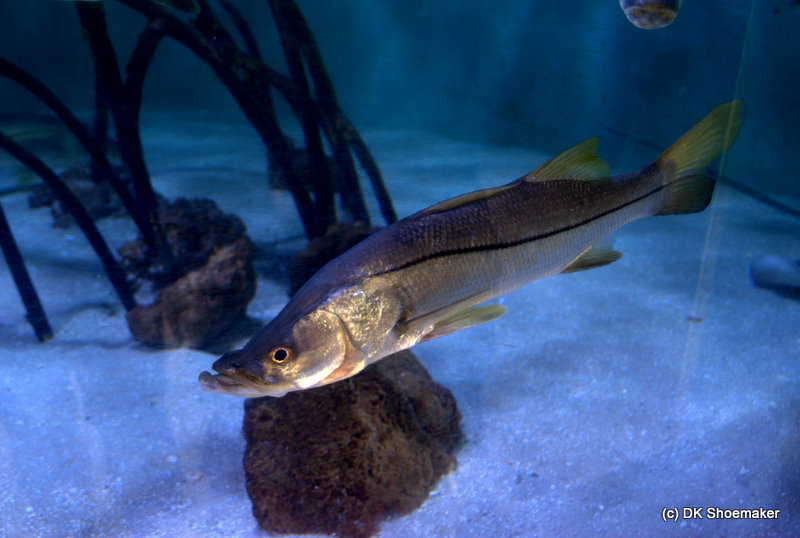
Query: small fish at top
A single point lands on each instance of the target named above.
(425, 276)
(650, 14)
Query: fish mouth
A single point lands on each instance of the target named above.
(238, 386)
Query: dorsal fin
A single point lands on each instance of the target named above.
(465, 199)
(578, 162)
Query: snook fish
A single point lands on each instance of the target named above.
(650, 14)
(424, 276)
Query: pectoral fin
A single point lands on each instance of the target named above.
(594, 256)
(465, 319)
(446, 320)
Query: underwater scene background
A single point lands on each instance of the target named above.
(602, 399)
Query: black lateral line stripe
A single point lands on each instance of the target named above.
(512, 244)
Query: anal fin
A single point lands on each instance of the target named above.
(594, 256)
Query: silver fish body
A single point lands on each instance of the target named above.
(422, 277)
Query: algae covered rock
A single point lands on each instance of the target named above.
(214, 278)
(342, 457)
(201, 304)
(194, 228)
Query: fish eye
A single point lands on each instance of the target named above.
(280, 354)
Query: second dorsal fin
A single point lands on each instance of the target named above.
(578, 162)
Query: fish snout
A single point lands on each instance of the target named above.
(236, 364)
(240, 374)
(229, 363)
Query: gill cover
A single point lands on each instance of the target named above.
(318, 343)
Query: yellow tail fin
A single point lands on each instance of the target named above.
(687, 189)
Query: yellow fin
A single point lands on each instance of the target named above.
(686, 188)
(578, 162)
(465, 319)
(594, 256)
(465, 199)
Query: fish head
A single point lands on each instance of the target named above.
(283, 358)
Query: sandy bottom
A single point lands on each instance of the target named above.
(665, 380)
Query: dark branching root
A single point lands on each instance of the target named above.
(313, 176)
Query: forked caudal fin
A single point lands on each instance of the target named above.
(683, 165)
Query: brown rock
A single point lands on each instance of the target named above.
(195, 228)
(342, 457)
(200, 305)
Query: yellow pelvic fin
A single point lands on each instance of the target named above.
(683, 165)
(594, 256)
(578, 162)
(465, 319)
